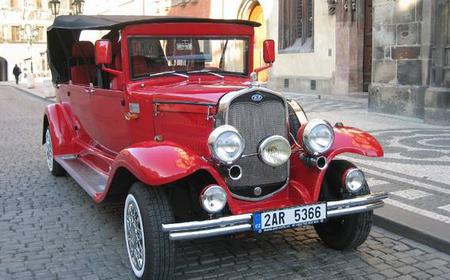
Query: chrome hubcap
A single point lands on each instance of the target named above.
(49, 149)
(134, 235)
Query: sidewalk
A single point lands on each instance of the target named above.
(415, 169)
(39, 90)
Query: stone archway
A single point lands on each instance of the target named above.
(3, 69)
(252, 10)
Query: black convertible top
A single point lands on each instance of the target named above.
(65, 31)
(99, 22)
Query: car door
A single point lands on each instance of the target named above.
(108, 111)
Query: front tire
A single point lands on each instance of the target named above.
(151, 253)
(344, 232)
(53, 166)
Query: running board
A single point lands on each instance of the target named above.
(92, 181)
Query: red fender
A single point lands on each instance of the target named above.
(156, 163)
(60, 129)
(347, 140)
(355, 141)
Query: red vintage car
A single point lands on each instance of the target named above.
(168, 112)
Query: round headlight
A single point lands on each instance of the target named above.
(213, 199)
(354, 180)
(226, 144)
(318, 136)
(274, 150)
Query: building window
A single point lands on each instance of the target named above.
(296, 25)
(15, 34)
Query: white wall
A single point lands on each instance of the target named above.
(315, 64)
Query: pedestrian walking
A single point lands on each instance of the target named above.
(17, 72)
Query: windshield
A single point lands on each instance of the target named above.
(152, 55)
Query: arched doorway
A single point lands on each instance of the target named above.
(252, 10)
(3, 69)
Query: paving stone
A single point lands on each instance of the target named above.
(50, 228)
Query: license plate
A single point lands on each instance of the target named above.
(289, 217)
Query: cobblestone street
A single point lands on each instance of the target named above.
(50, 229)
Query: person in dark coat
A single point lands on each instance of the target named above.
(17, 72)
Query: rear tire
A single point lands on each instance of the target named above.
(53, 166)
(151, 253)
(345, 232)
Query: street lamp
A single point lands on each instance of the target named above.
(54, 6)
(30, 33)
(78, 6)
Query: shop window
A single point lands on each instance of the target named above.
(296, 25)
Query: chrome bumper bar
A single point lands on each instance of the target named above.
(242, 223)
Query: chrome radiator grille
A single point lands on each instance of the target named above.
(256, 121)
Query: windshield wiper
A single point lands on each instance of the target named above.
(169, 73)
(206, 71)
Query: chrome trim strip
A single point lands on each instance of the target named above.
(184, 103)
(220, 222)
(222, 116)
(209, 232)
(357, 201)
(243, 222)
(354, 209)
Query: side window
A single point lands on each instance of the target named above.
(296, 26)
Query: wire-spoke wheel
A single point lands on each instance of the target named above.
(55, 168)
(151, 253)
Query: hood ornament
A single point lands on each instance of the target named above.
(254, 78)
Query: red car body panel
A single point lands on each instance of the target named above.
(92, 125)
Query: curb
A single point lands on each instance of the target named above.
(413, 226)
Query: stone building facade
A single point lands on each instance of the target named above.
(395, 49)
(411, 65)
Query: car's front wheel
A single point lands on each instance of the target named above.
(53, 166)
(344, 232)
(151, 253)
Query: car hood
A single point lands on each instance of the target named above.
(208, 93)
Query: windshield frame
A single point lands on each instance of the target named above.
(245, 73)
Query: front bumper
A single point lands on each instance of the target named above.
(243, 222)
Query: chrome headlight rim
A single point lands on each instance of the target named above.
(307, 132)
(214, 136)
(269, 140)
(349, 173)
(206, 197)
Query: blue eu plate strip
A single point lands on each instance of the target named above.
(257, 222)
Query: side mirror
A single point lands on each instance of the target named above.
(269, 51)
(103, 52)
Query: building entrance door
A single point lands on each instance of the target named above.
(3, 69)
(367, 60)
(257, 14)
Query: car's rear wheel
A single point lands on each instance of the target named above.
(151, 253)
(53, 166)
(344, 232)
